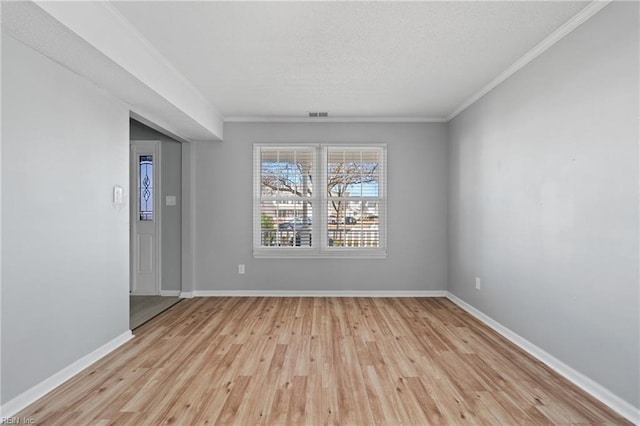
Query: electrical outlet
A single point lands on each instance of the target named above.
(241, 268)
(478, 283)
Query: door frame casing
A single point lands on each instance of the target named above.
(156, 150)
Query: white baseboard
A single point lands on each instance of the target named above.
(593, 388)
(28, 397)
(315, 293)
(186, 294)
(170, 293)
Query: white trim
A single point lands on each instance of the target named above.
(581, 17)
(170, 293)
(186, 294)
(258, 119)
(293, 253)
(588, 385)
(41, 389)
(320, 247)
(317, 293)
(158, 195)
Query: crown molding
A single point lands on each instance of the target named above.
(585, 14)
(184, 97)
(581, 17)
(284, 119)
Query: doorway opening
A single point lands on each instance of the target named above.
(155, 223)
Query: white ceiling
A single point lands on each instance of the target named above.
(409, 60)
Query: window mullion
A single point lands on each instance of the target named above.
(321, 197)
(257, 198)
(273, 201)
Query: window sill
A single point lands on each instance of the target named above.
(313, 254)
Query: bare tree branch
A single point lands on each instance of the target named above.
(342, 176)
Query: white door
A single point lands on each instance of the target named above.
(145, 217)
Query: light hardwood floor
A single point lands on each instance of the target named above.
(314, 361)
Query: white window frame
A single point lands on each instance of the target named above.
(319, 235)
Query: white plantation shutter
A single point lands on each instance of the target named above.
(354, 197)
(284, 197)
(319, 200)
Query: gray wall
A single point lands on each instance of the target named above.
(417, 156)
(541, 177)
(65, 246)
(543, 205)
(171, 216)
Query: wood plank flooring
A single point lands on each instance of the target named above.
(317, 361)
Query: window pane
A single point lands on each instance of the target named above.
(370, 173)
(145, 187)
(286, 223)
(353, 223)
(337, 222)
(353, 173)
(286, 173)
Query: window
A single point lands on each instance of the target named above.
(319, 200)
(145, 188)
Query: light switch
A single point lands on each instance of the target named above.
(170, 200)
(118, 194)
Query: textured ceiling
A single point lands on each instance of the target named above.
(353, 59)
